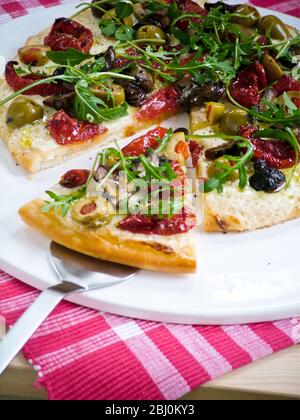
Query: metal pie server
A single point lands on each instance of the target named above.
(77, 273)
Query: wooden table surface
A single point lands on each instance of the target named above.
(276, 377)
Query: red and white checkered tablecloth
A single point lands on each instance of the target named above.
(81, 354)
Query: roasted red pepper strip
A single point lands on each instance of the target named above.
(17, 82)
(66, 33)
(286, 84)
(153, 225)
(246, 86)
(161, 104)
(67, 130)
(140, 145)
(75, 178)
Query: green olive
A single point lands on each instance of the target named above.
(114, 95)
(150, 32)
(251, 14)
(34, 55)
(243, 30)
(23, 111)
(273, 69)
(278, 30)
(93, 212)
(233, 121)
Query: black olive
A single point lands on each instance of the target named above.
(265, 178)
(59, 71)
(182, 130)
(58, 102)
(135, 95)
(194, 95)
(98, 13)
(223, 7)
(143, 78)
(110, 58)
(229, 148)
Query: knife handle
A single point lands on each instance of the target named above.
(26, 326)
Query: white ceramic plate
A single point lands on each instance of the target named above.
(241, 278)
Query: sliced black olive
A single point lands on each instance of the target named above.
(223, 6)
(110, 58)
(135, 95)
(143, 78)
(182, 130)
(98, 13)
(198, 95)
(265, 178)
(59, 102)
(228, 148)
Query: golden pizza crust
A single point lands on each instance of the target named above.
(234, 210)
(104, 244)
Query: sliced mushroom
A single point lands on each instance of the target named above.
(143, 78)
(59, 102)
(219, 151)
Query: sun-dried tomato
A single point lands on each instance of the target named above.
(248, 130)
(153, 225)
(163, 103)
(246, 86)
(187, 7)
(277, 154)
(195, 151)
(66, 33)
(140, 145)
(75, 178)
(67, 130)
(17, 82)
(286, 84)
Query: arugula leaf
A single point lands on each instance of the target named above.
(89, 107)
(62, 203)
(123, 9)
(68, 57)
(124, 33)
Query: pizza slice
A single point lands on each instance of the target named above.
(131, 208)
(249, 157)
(104, 74)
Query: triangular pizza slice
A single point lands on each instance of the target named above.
(130, 208)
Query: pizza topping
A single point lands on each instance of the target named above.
(189, 7)
(247, 85)
(59, 102)
(286, 84)
(142, 144)
(277, 154)
(135, 95)
(266, 179)
(75, 178)
(233, 120)
(153, 225)
(143, 78)
(67, 33)
(67, 130)
(23, 111)
(34, 55)
(195, 151)
(246, 15)
(273, 27)
(161, 104)
(150, 32)
(17, 82)
(194, 95)
(93, 212)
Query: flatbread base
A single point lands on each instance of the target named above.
(103, 244)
